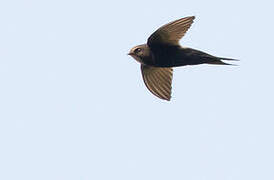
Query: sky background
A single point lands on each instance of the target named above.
(73, 105)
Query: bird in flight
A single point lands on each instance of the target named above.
(162, 52)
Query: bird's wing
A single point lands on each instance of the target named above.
(171, 33)
(158, 80)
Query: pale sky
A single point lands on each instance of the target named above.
(73, 105)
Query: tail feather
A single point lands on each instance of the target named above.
(219, 62)
(193, 57)
(228, 59)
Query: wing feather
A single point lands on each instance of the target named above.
(158, 80)
(171, 33)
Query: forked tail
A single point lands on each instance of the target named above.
(219, 61)
(193, 57)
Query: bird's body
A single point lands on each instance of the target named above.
(163, 52)
(175, 56)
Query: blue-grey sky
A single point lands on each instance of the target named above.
(73, 105)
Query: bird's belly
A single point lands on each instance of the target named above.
(169, 57)
(171, 60)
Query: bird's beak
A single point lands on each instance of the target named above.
(130, 53)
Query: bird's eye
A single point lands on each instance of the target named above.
(137, 50)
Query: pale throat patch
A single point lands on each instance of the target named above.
(137, 59)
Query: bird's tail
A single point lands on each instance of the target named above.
(189, 56)
(219, 61)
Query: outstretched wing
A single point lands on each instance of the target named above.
(158, 80)
(171, 33)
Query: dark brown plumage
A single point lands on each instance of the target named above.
(163, 52)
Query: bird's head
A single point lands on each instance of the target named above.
(140, 53)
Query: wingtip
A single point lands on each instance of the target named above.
(167, 98)
(192, 17)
